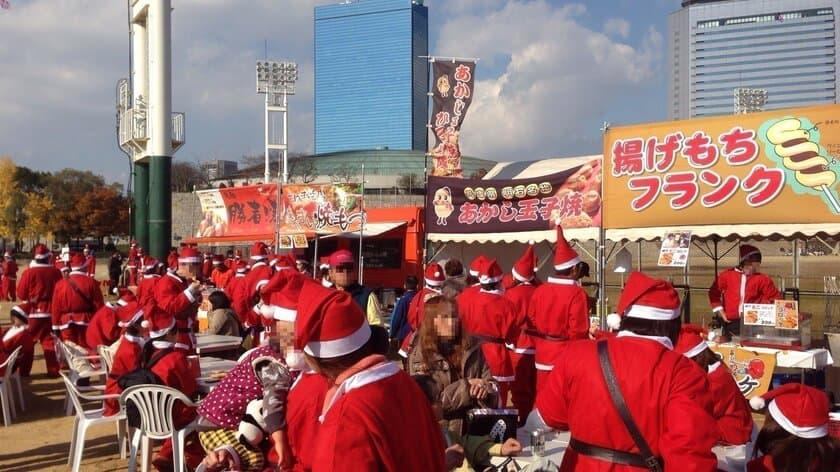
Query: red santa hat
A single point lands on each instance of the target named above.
(77, 261)
(524, 268)
(189, 255)
(280, 296)
(259, 251)
(799, 409)
(41, 251)
(434, 276)
(129, 314)
(564, 256)
(475, 265)
(218, 260)
(489, 272)
(746, 251)
(329, 323)
(149, 264)
(692, 340)
(342, 256)
(159, 321)
(284, 262)
(208, 255)
(241, 267)
(126, 297)
(647, 298)
(22, 311)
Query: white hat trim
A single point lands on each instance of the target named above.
(696, 349)
(258, 257)
(652, 313)
(474, 273)
(159, 333)
(808, 432)
(133, 320)
(189, 260)
(19, 310)
(747, 255)
(519, 277)
(341, 346)
(486, 279)
(122, 302)
(567, 264)
(284, 314)
(433, 282)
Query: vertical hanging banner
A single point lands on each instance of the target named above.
(452, 93)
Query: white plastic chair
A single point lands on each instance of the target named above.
(106, 356)
(65, 353)
(154, 403)
(6, 394)
(86, 418)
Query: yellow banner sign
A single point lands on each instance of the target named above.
(740, 169)
(753, 372)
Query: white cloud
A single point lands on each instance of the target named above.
(559, 82)
(617, 27)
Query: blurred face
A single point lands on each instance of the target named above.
(188, 269)
(284, 333)
(17, 321)
(447, 326)
(752, 265)
(343, 275)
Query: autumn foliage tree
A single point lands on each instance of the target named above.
(37, 212)
(103, 212)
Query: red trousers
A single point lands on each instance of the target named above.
(523, 391)
(41, 331)
(7, 289)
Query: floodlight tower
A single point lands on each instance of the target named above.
(276, 80)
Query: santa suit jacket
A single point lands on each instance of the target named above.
(9, 269)
(220, 278)
(259, 275)
(172, 295)
(75, 307)
(559, 310)
(91, 265)
(12, 339)
(302, 411)
(103, 327)
(173, 371)
(146, 288)
(730, 409)
(667, 394)
(417, 307)
(521, 296)
(492, 318)
(733, 288)
(364, 429)
(206, 269)
(36, 285)
(126, 359)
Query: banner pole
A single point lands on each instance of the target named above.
(429, 62)
(602, 240)
(362, 231)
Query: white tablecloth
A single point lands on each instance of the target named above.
(810, 359)
(207, 343)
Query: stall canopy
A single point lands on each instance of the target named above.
(369, 230)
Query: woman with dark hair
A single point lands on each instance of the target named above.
(444, 351)
(795, 433)
(222, 319)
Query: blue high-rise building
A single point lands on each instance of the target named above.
(370, 81)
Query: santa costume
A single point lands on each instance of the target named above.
(36, 285)
(18, 336)
(8, 278)
(104, 328)
(127, 357)
(666, 394)
(75, 300)
(146, 285)
(732, 287)
(354, 435)
(492, 318)
(132, 263)
(730, 410)
(433, 279)
(258, 276)
(174, 295)
(90, 262)
(221, 274)
(559, 311)
(524, 387)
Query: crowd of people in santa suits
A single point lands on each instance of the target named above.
(318, 391)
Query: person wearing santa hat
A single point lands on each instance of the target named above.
(345, 276)
(524, 387)
(665, 395)
(259, 275)
(221, 274)
(169, 364)
(730, 410)
(559, 310)
(75, 299)
(90, 261)
(433, 280)
(131, 319)
(741, 284)
(179, 294)
(302, 265)
(8, 277)
(492, 318)
(104, 328)
(206, 266)
(172, 259)
(795, 432)
(240, 270)
(134, 254)
(18, 336)
(324, 273)
(36, 286)
(334, 334)
(152, 272)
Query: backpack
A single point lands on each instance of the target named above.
(142, 375)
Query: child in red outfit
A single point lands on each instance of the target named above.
(18, 336)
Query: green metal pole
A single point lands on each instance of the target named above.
(141, 204)
(160, 206)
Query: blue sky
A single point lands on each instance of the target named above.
(550, 73)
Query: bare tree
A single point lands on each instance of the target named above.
(303, 168)
(344, 173)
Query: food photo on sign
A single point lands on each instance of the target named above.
(675, 249)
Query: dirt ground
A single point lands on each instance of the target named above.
(39, 439)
